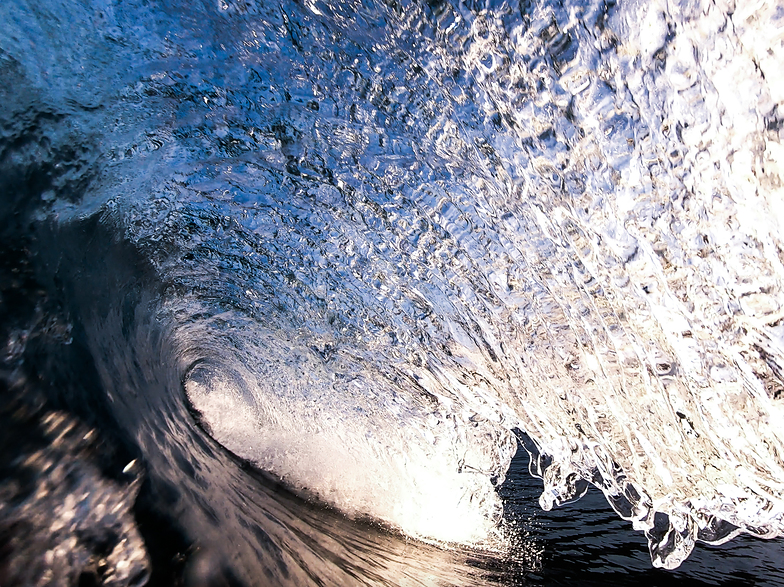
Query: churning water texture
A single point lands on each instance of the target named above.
(284, 283)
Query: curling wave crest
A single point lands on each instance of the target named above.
(468, 222)
(394, 234)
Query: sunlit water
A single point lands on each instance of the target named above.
(309, 271)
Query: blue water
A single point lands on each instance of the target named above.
(284, 287)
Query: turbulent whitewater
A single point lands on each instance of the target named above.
(381, 240)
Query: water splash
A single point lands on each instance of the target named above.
(583, 239)
(392, 233)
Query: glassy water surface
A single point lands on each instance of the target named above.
(287, 286)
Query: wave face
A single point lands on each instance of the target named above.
(363, 245)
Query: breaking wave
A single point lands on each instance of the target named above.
(366, 247)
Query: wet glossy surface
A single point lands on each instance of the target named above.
(359, 245)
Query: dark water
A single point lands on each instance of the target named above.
(586, 544)
(279, 293)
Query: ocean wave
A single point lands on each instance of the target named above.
(366, 246)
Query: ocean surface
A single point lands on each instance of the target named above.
(391, 292)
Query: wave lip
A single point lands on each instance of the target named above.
(454, 223)
(594, 271)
